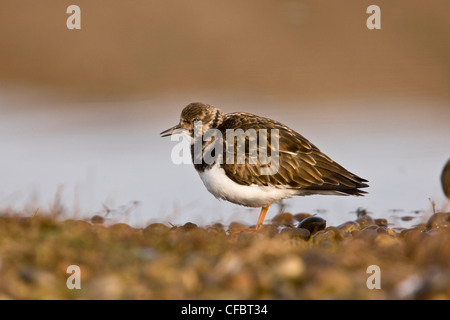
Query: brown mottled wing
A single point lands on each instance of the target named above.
(301, 164)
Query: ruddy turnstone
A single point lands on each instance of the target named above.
(301, 168)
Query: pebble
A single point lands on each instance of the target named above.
(97, 219)
(349, 226)
(387, 240)
(407, 218)
(414, 236)
(283, 219)
(365, 221)
(381, 230)
(367, 234)
(323, 237)
(361, 212)
(121, 227)
(77, 223)
(301, 216)
(313, 224)
(300, 233)
(439, 220)
(269, 230)
(339, 235)
(156, 229)
(381, 222)
(188, 226)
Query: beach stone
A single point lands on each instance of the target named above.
(391, 232)
(215, 231)
(301, 216)
(367, 234)
(269, 230)
(291, 267)
(237, 225)
(371, 227)
(121, 227)
(381, 222)
(439, 220)
(97, 219)
(217, 225)
(323, 237)
(283, 219)
(387, 240)
(77, 224)
(361, 212)
(339, 235)
(300, 233)
(188, 226)
(313, 224)
(157, 229)
(349, 226)
(381, 230)
(365, 221)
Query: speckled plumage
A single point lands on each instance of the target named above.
(303, 168)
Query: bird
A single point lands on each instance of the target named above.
(445, 179)
(302, 169)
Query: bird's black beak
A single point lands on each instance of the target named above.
(174, 130)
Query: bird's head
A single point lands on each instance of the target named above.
(196, 115)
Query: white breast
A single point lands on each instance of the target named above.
(222, 187)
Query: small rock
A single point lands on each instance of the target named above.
(365, 221)
(157, 229)
(361, 212)
(391, 232)
(121, 227)
(381, 222)
(217, 225)
(237, 225)
(188, 226)
(349, 226)
(300, 233)
(387, 240)
(439, 220)
(97, 219)
(414, 236)
(301, 216)
(77, 224)
(313, 224)
(339, 235)
(381, 230)
(148, 254)
(283, 219)
(322, 237)
(417, 229)
(291, 267)
(268, 229)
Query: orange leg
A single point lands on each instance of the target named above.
(262, 215)
(259, 224)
